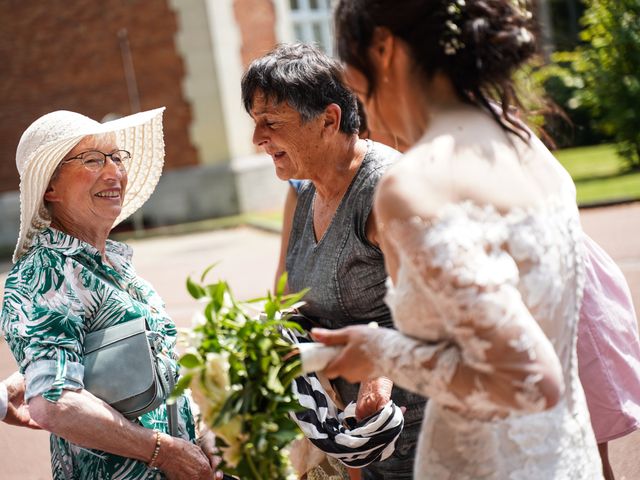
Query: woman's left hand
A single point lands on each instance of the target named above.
(354, 363)
(373, 396)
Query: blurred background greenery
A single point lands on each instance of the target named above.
(584, 91)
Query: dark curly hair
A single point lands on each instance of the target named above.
(305, 78)
(478, 44)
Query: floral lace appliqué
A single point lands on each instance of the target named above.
(483, 314)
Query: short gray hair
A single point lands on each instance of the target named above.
(305, 78)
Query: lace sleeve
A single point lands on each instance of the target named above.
(479, 351)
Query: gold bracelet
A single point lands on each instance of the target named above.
(156, 451)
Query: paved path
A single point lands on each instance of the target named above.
(247, 261)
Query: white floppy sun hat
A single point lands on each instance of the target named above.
(46, 142)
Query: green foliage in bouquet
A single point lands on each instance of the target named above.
(240, 371)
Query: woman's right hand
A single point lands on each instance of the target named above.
(180, 459)
(354, 362)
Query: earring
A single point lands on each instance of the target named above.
(385, 79)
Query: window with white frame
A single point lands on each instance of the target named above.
(311, 21)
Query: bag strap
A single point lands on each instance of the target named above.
(169, 384)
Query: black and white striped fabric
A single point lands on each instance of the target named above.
(337, 432)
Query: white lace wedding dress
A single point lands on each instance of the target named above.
(463, 277)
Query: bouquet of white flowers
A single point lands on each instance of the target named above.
(240, 370)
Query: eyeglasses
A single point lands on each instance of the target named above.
(94, 160)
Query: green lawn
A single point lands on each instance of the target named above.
(596, 173)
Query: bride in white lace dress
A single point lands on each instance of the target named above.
(480, 231)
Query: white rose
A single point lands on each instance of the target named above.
(231, 433)
(215, 382)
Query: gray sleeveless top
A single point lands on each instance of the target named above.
(345, 272)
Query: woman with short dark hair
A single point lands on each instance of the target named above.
(307, 120)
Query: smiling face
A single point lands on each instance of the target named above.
(294, 145)
(80, 199)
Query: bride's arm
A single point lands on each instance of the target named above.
(482, 371)
(493, 357)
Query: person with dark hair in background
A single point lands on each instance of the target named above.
(482, 242)
(307, 120)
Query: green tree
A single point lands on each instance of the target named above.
(548, 92)
(609, 63)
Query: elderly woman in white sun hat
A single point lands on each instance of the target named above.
(79, 178)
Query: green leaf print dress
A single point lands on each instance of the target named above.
(55, 294)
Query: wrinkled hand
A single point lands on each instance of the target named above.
(207, 442)
(17, 409)
(355, 363)
(182, 460)
(373, 396)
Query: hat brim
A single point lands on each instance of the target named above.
(141, 134)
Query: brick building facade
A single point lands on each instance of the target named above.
(60, 54)
(187, 55)
(256, 22)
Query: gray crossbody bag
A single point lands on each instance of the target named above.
(122, 368)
